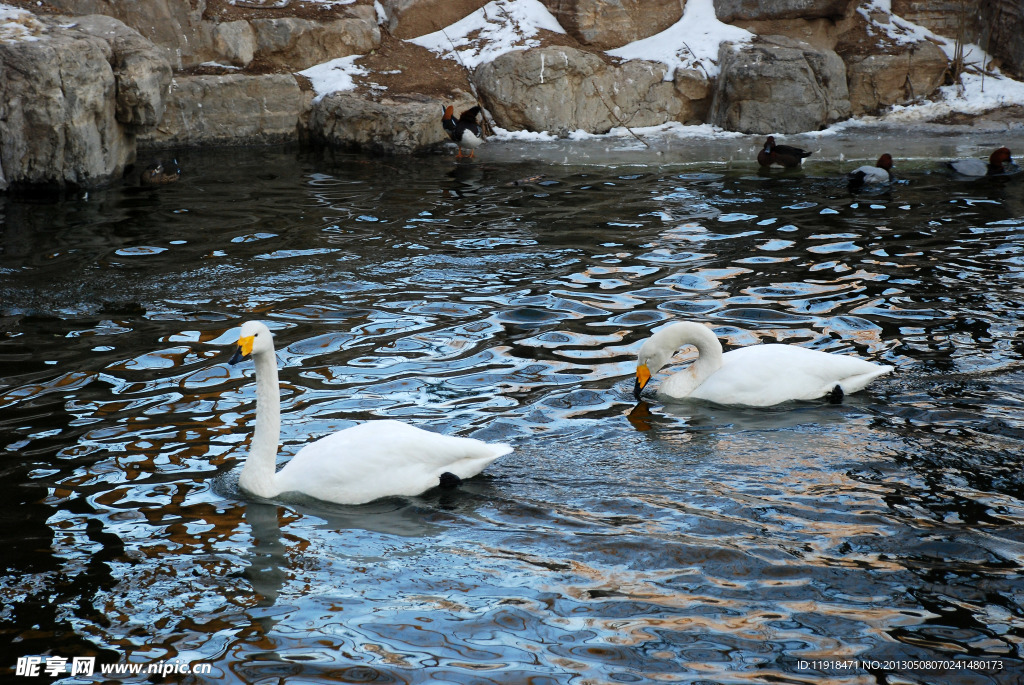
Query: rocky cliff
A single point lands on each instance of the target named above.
(86, 82)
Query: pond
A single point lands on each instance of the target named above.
(506, 299)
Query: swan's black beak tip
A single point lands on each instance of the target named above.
(637, 389)
(238, 356)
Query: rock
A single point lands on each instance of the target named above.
(297, 44)
(1002, 24)
(821, 33)
(942, 16)
(899, 75)
(694, 92)
(731, 11)
(72, 98)
(413, 18)
(235, 109)
(140, 69)
(778, 85)
(174, 26)
(561, 89)
(232, 42)
(608, 24)
(395, 125)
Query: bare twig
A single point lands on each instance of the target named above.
(696, 61)
(616, 116)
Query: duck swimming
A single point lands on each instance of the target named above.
(365, 462)
(753, 376)
(976, 167)
(866, 175)
(781, 155)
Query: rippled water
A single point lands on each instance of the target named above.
(618, 543)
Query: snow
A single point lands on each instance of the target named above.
(334, 76)
(496, 28)
(17, 24)
(692, 42)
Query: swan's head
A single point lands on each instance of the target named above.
(254, 338)
(654, 354)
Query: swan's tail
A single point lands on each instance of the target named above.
(860, 381)
(486, 454)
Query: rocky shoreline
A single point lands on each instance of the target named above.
(89, 83)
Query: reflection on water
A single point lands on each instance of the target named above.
(619, 542)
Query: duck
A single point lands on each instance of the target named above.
(159, 174)
(464, 131)
(866, 175)
(976, 167)
(362, 463)
(754, 376)
(781, 155)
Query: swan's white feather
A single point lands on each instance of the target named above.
(365, 462)
(754, 376)
(382, 458)
(765, 375)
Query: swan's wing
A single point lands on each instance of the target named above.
(764, 375)
(383, 458)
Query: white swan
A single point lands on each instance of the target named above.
(754, 376)
(355, 465)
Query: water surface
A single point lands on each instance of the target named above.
(505, 299)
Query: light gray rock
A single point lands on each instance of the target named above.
(232, 42)
(72, 99)
(297, 44)
(412, 18)
(761, 10)
(234, 109)
(607, 24)
(778, 85)
(561, 89)
(174, 26)
(900, 75)
(393, 125)
(142, 73)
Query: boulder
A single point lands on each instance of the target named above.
(235, 109)
(401, 124)
(943, 16)
(297, 44)
(778, 85)
(821, 33)
(898, 75)
(1001, 26)
(72, 97)
(608, 24)
(413, 18)
(142, 73)
(561, 89)
(231, 42)
(731, 11)
(174, 26)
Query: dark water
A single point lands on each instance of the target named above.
(682, 543)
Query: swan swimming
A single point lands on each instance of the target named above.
(365, 462)
(753, 376)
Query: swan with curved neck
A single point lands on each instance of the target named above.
(355, 465)
(753, 376)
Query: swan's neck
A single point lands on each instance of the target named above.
(258, 474)
(709, 356)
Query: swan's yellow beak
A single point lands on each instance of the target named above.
(643, 374)
(244, 349)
